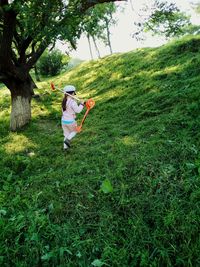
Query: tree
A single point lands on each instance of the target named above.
(163, 19)
(27, 28)
(50, 63)
(107, 21)
(97, 23)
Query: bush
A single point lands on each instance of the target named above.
(50, 64)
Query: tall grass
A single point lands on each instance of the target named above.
(127, 193)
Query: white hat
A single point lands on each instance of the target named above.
(69, 88)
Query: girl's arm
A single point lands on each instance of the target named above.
(77, 108)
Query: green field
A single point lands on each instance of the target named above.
(128, 191)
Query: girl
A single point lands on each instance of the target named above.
(69, 110)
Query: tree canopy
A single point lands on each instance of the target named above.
(97, 22)
(162, 18)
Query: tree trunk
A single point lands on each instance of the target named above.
(21, 94)
(37, 77)
(20, 112)
(108, 37)
(96, 47)
(90, 47)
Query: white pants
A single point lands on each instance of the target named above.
(69, 131)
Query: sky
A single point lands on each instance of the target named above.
(121, 34)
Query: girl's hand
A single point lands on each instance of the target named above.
(83, 103)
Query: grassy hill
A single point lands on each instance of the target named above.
(128, 191)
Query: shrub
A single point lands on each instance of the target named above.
(50, 64)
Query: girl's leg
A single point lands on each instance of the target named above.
(66, 133)
(70, 133)
(72, 130)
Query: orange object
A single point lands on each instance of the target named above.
(53, 87)
(90, 103)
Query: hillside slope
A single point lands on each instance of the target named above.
(128, 191)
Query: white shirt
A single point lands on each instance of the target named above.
(71, 109)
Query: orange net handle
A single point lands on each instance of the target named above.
(78, 128)
(90, 103)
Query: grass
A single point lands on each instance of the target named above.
(127, 193)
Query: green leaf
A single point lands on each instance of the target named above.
(106, 186)
(97, 263)
(47, 256)
(3, 212)
(34, 237)
(64, 249)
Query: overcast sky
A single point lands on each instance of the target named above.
(121, 38)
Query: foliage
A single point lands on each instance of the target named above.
(196, 6)
(51, 63)
(164, 19)
(94, 24)
(192, 29)
(127, 193)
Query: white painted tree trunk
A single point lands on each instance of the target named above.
(108, 38)
(96, 47)
(90, 47)
(20, 112)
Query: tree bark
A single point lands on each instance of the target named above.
(90, 47)
(21, 94)
(37, 77)
(108, 37)
(20, 112)
(96, 47)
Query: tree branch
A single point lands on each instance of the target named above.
(90, 3)
(9, 19)
(35, 55)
